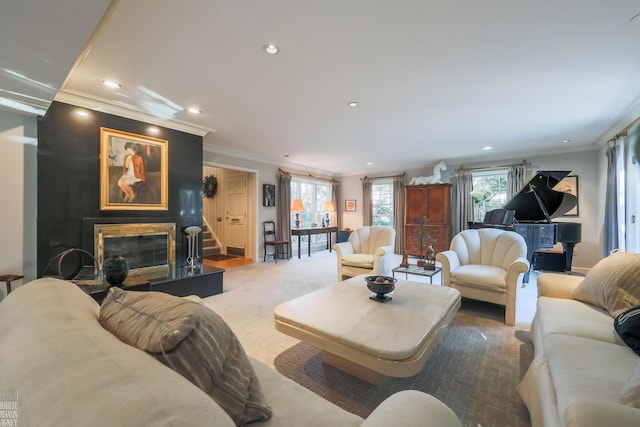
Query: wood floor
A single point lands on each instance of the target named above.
(228, 263)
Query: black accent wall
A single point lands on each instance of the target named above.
(69, 180)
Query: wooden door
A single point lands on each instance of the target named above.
(236, 212)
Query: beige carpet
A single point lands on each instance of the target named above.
(474, 370)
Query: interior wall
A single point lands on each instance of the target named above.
(69, 180)
(18, 134)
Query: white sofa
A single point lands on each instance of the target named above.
(580, 365)
(369, 250)
(486, 264)
(69, 370)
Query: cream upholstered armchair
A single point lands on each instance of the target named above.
(369, 250)
(486, 264)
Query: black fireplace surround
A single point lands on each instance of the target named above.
(69, 181)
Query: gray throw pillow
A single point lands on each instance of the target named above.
(192, 340)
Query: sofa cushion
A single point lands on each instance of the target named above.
(192, 340)
(613, 283)
(484, 276)
(631, 391)
(571, 317)
(358, 260)
(583, 369)
(70, 371)
(294, 405)
(627, 325)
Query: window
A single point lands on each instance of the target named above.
(489, 191)
(313, 194)
(382, 202)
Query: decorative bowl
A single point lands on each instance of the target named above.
(380, 285)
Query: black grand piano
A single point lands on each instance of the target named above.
(529, 214)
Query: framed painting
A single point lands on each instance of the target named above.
(133, 171)
(350, 205)
(569, 184)
(269, 195)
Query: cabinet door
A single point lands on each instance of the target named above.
(412, 240)
(415, 204)
(437, 204)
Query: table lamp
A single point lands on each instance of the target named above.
(297, 207)
(328, 207)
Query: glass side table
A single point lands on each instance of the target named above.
(418, 271)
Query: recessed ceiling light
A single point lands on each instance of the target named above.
(286, 155)
(636, 19)
(194, 110)
(565, 141)
(271, 48)
(369, 163)
(353, 104)
(111, 84)
(487, 148)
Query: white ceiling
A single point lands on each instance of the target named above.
(434, 79)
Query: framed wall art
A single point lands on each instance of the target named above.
(350, 205)
(569, 184)
(268, 195)
(133, 171)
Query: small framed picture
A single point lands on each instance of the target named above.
(350, 205)
(268, 195)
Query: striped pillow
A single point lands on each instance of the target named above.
(613, 283)
(192, 340)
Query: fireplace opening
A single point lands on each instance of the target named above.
(148, 248)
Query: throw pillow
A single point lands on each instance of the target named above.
(192, 340)
(613, 283)
(631, 392)
(627, 325)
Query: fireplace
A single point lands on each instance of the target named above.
(149, 248)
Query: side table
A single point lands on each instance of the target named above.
(8, 278)
(418, 271)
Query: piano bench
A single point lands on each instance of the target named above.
(549, 261)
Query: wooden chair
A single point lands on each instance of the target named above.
(280, 246)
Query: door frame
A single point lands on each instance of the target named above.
(252, 206)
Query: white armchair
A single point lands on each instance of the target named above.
(486, 264)
(369, 250)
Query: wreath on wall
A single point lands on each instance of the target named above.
(209, 186)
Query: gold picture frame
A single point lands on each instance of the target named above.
(133, 171)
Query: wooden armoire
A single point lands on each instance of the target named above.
(432, 201)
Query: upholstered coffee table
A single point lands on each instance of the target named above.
(366, 338)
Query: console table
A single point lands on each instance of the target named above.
(313, 230)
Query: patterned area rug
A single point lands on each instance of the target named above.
(479, 362)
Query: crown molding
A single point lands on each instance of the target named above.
(102, 105)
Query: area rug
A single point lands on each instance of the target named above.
(477, 366)
(220, 257)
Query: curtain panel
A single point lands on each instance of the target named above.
(398, 211)
(367, 208)
(463, 200)
(283, 207)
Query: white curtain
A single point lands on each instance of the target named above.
(614, 214)
(515, 179)
(463, 200)
(398, 211)
(367, 207)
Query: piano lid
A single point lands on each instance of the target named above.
(538, 201)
